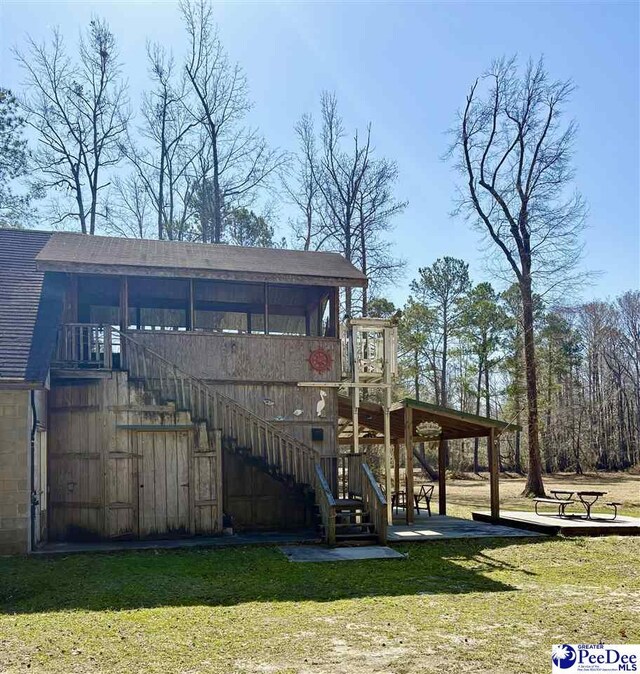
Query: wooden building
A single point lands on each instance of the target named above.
(150, 389)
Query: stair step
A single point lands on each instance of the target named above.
(359, 536)
(354, 525)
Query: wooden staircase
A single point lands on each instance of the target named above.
(280, 455)
(353, 523)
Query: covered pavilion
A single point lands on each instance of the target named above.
(408, 419)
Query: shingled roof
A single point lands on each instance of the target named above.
(108, 255)
(21, 289)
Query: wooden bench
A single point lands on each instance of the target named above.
(561, 504)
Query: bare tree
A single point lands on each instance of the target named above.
(376, 206)
(130, 213)
(241, 160)
(300, 183)
(339, 176)
(516, 156)
(79, 110)
(164, 159)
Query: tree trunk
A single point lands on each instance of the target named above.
(476, 441)
(217, 197)
(426, 466)
(534, 485)
(443, 379)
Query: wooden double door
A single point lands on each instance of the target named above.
(141, 490)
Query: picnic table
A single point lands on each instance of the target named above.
(587, 498)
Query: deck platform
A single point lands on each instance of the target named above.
(562, 526)
(443, 527)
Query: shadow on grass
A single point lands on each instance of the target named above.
(147, 579)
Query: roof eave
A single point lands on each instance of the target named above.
(462, 416)
(181, 272)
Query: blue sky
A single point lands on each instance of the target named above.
(406, 67)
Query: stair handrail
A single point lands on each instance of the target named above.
(311, 454)
(326, 504)
(375, 502)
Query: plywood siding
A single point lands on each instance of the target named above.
(256, 501)
(262, 372)
(247, 358)
(123, 466)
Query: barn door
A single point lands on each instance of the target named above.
(164, 495)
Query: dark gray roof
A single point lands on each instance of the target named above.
(20, 291)
(108, 255)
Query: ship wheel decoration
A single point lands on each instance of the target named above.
(320, 360)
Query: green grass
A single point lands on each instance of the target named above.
(484, 605)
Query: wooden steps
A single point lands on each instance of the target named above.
(283, 457)
(353, 525)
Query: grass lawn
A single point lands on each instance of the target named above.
(475, 605)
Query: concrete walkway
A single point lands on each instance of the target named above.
(314, 553)
(266, 538)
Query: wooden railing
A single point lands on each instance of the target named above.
(374, 502)
(326, 504)
(350, 477)
(84, 345)
(241, 428)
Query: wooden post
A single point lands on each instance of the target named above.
(355, 391)
(494, 474)
(319, 316)
(71, 301)
(191, 312)
(442, 476)
(408, 446)
(387, 458)
(266, 308)
(124, 303)
(124, 320)
(334, 313)
(396, 468)
(107, 347)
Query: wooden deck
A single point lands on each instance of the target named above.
(554, 525)
(442, 527)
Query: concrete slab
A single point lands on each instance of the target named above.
(441, 527)
(258, 538)
(312, 553)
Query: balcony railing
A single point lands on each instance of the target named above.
(84, 346)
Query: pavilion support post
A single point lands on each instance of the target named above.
(387, 455)
(396, 469)
(494, 474)
(442, 476)
(408, 446)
